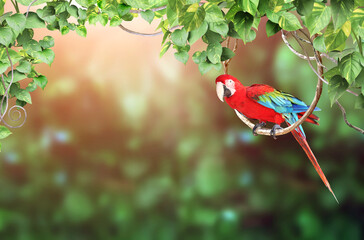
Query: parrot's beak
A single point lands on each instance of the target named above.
(222, 91)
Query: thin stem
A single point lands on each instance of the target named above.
(156, 9)
(15, 4)
(227, 62)
(26, 15)
(145, 34)
(346, 120)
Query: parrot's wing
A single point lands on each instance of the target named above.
(280, 102)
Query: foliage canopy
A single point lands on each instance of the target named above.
(338, 29)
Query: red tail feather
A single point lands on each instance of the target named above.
(311, 119)
(302, 141)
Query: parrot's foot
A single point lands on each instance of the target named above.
(273, 131)
(258, 125)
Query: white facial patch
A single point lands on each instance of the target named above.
(230, 84)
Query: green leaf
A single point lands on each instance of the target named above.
(32, 46)
(249, 6)
(82, 15)
(191, 16)
(103, 19)
(341, 11)
(213, 13)
(115, 21)
(3, 68)
(359, 103)
(24, 67)
(4, 132)
(31, 87)
(93, 18)
(16, 22)
(304, 7)
(182, 56)
(319, 18)
(332, 72)
(204, 67)
(243, 22)
(197, 33)
(350, 66)
(2, 4)
(145, 4)
(65, 30)
(17, 76)
(232, 12)
(81, 31)
(172, 16)
(147, 15)
(47, 56)
(319, 44)
(15, 56)
(28, 2)
(34, 21)
(179, 37)
(86, 3)
(276, 5)
(214, 52)
(23, 95)
(274, 17)
(227, 53)
(72, 10)
(47, 42)
(6, 36)
(335, 39)
(219, 27)
(289, 22)
(26, 36)
(165, 48)
(337, 86)
(272, 28)
(199, 57)
(41, 81)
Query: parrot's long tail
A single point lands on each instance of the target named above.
(302, 141)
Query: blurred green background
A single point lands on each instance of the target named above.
(124, 145)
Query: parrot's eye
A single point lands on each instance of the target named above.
(230, 83)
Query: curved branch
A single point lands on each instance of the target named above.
(139, 33)
(157, 9)
(346, 120)
(26, 15)
(145, 34)
(311, 58)
(6, 95)
(293, 50)
(227, 62)
(266, 131)
(153, 9)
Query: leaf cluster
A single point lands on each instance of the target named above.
(338, 27)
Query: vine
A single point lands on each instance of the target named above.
(333, 30)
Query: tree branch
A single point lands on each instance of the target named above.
(227, 62)
(6, 95)
(157, 9)
(311, 58)
(26, 15)
(346, 120)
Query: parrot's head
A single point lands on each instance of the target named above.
(226, 86)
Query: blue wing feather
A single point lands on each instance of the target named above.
(286, 104)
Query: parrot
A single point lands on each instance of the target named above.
(264, 103)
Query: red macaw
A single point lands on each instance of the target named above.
(266, 104)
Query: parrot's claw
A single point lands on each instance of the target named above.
(273, 131)
(258, 125)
